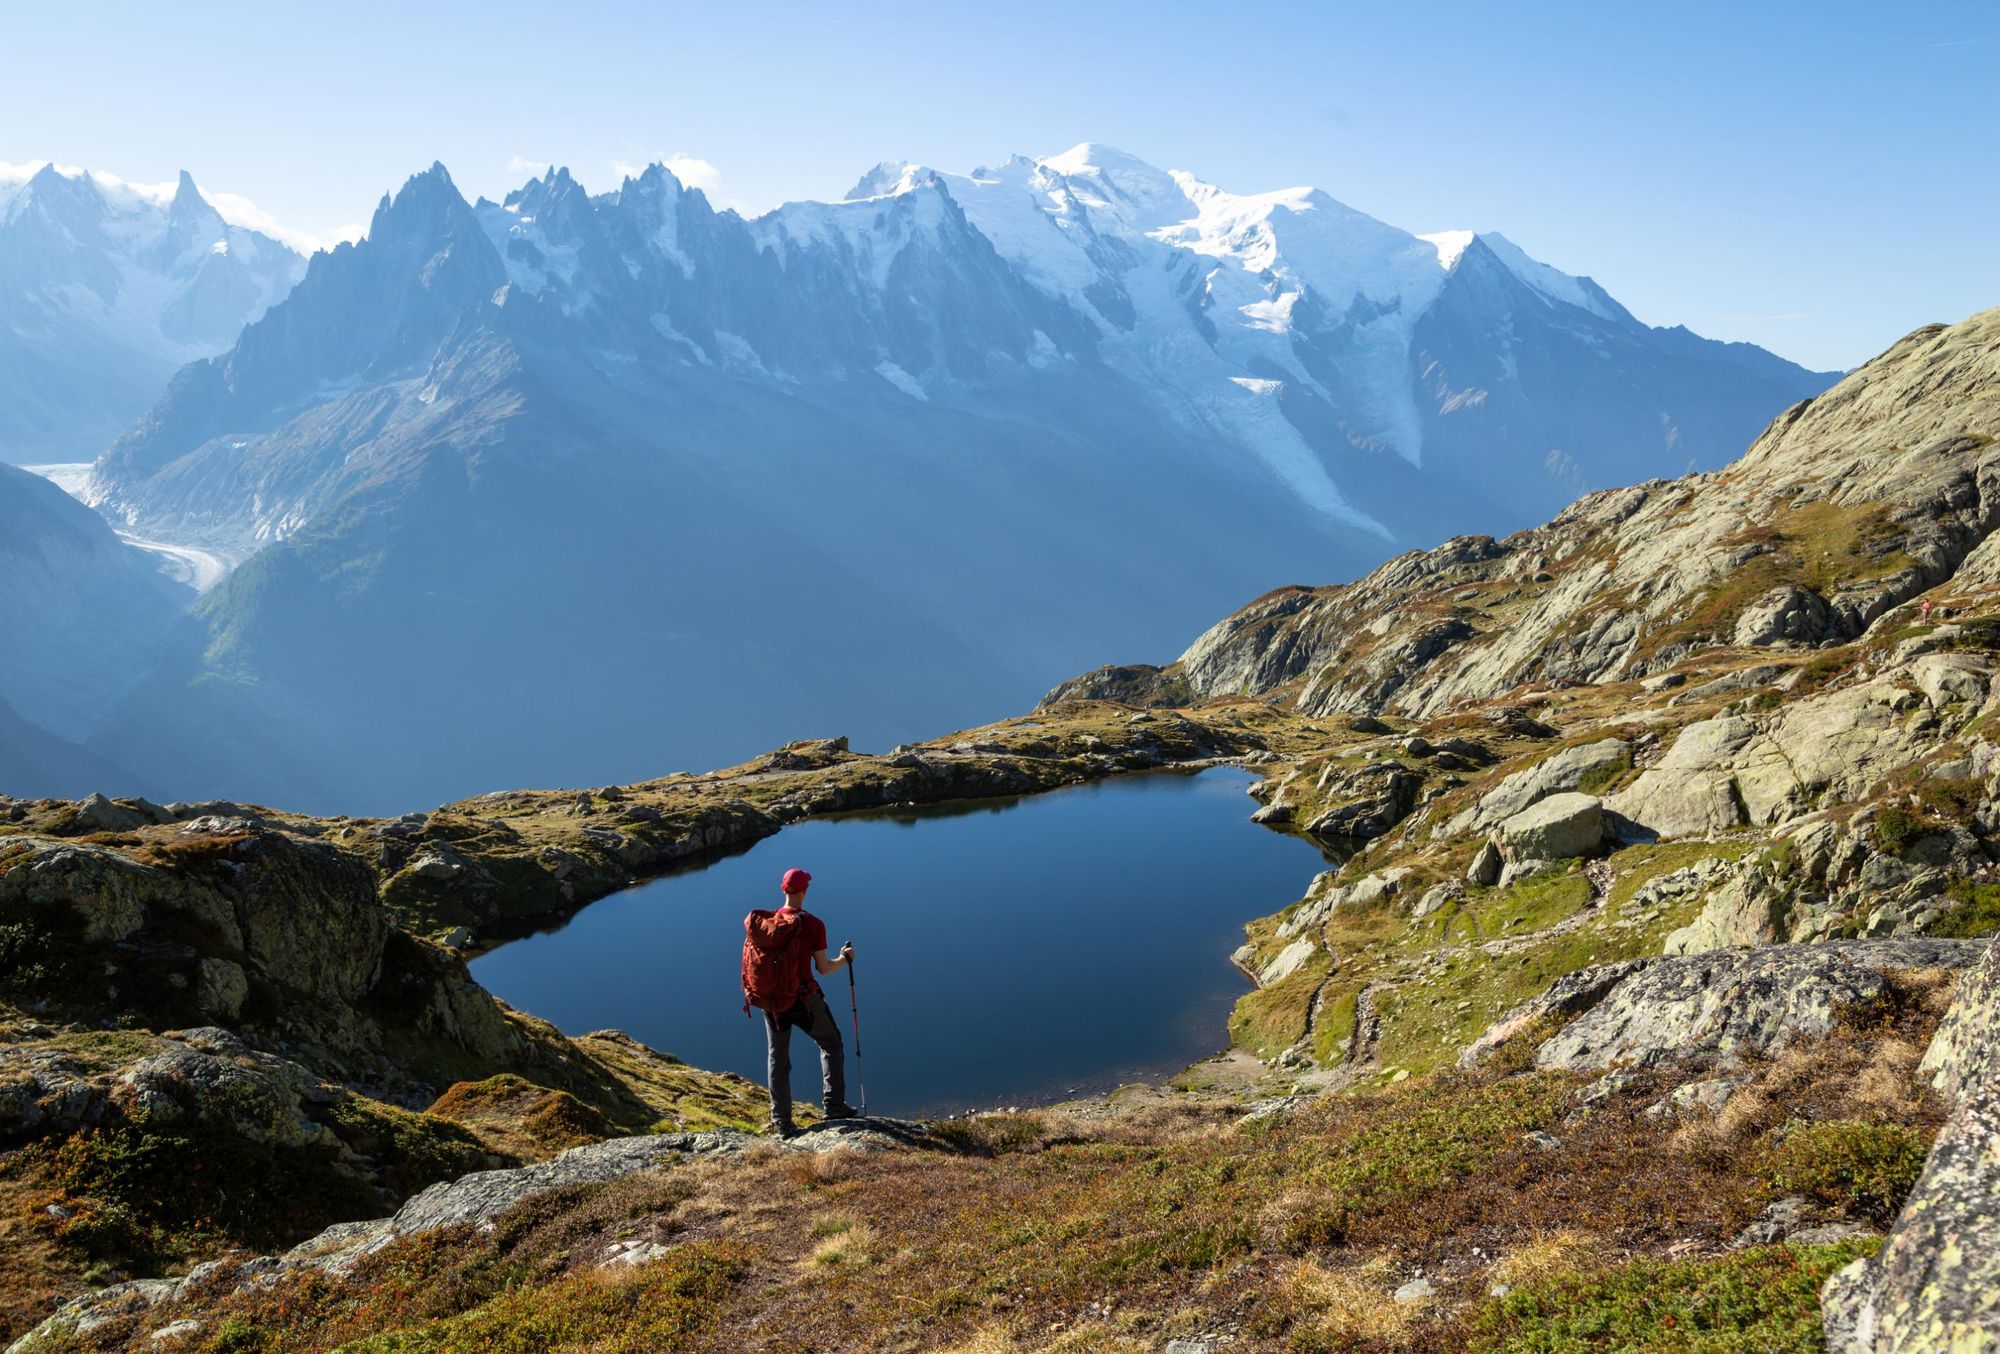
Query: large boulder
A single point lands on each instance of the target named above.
(1556, 828)
(1936, 1283)
(1785, 614)
(1689, 792)
(1717, 1005)
(1568, 769)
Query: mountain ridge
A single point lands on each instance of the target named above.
(952, 438)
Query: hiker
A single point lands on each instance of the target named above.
(781, 949)
(1924, 612)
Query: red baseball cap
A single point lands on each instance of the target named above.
(795, 881)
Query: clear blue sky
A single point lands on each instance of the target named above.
(1818, 178)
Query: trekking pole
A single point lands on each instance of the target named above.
(854, 1003)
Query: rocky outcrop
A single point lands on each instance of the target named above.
(1719, 1005)
(1936, 1283)
(1787, 614)
(231, 920)
(1368, 801)
(1737, 769)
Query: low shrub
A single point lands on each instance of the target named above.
(661, 1307)
(988, 1135)
(1765, 1299)
(1975, 911)
(1850, 1165)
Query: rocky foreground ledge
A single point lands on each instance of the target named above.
(473, 1201)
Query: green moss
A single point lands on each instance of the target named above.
(1850, 1165)
(1975, 911)
(1899, 827)
(1940, 804)
(1602, 779)
(1335, 1028)
(1764, 1300)
(1523, 907)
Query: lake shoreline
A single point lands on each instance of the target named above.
(1019, 951)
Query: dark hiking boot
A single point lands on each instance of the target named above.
(782, 1129)
(839, 1112)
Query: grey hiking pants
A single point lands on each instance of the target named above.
(812, 1016)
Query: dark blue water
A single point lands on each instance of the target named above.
(1011, 953)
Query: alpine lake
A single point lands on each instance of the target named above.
(1008, 952)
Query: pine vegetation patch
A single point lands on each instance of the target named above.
(1763, 1300)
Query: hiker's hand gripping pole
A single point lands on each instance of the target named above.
(854, 1004)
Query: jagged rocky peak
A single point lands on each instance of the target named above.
(1184, 392)
(109, 286)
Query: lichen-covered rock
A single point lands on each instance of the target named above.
(1965, 1051)
(1935, 1286)
(1324, 897)
(1689, 792)
(1832, 748)
(1717, 1005)
(1286, 962)
(1567, 996)
(1554, 828)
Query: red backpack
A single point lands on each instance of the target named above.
(771, 941)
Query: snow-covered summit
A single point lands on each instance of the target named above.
(106, 287)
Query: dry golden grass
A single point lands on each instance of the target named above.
(845, 1244)
(1544, 1256)
(1092, 1337)
(1339, 1308)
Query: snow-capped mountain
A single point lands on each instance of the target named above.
(874, 466)
(106, 289)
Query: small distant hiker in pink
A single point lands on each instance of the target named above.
(1924, 611)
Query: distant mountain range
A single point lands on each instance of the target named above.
(579, 488)
(106, 289)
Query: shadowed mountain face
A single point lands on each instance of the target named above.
(106, 289)
(80, 609)
(574, 489)
(37, 762)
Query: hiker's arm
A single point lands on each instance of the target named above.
(835, 964)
